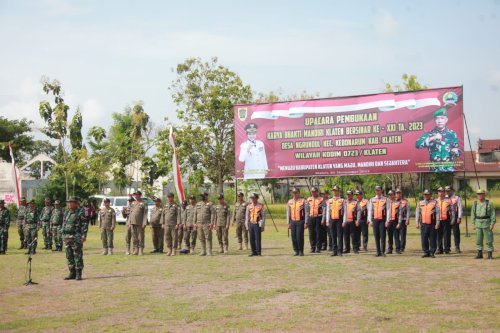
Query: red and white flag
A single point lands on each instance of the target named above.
(15, 177)
(176, 169)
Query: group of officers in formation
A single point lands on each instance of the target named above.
(334, 224)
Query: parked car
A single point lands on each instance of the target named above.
(118, 203)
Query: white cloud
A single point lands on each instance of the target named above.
(386, 26)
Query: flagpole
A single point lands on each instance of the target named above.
(16, 178)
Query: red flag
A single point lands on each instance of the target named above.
(176, 169)
(15, 176)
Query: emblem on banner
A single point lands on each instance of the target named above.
(450, 98)
(242, 114)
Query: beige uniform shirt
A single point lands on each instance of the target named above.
(107, 218)
(239, 212)
(171, 214)
(188, 215)
(139, 214)
(204, 213)
(222, 215)
(156, 213)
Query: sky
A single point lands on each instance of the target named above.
(109, 54)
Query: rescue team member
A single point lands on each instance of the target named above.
(314, 207)
(361, 220)
(392, 222)
(296, 215)
(349, 223)
(427, 219)
(447, 215)
(255, 222)
(326, 235)
(455, 223)
(334, 220)
(404, 219)
(377, 215)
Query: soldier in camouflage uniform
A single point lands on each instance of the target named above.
(240, 208)
(107, 224)
(188, 225)
(171, 220)
(156, 227)
(204, 216)
(45, 220)
(221, 223)
(74, 232)
(56, 220)
(138, 222)
(31, 227)
(4, 227)
(21, 212)
(441, 142)
(128, 232)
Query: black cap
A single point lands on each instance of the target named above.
(220, 196)
(251, 128)
(240, 194)
(326, 192)
(204, 195)
(192, 197)
(254, 195)
(156, 199)
(107, 200)
(138, 193)
(170, 195)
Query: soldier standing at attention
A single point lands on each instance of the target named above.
(4, 227)
(348, 223)
(377, 215)
(128, 231)
(255, 222)
(392, 222)
(56, 220)
(240, 208)
(447, 214)
(334, 220)
(222, 221)
(21, 214)
(427, 219)
(326, 235)
(314, 207)
(45, 219)
(157, 231)
(138, 222)
(361, 220)
(455, 223)
(107, 223)
(74, 231)
(404, 219)
(296, 215)
(188, 225)
(484, 219)
(170, 222)
(204, 216)
(31, 227)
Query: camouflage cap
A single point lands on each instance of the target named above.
(480, 191)
(295, 190)
(73, 199)
(427, 191)
(314, 189)
(443, 112)
(57, 202)
(220, 196)
(251, 128)
(440, 189)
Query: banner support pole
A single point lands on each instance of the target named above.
(265, 203)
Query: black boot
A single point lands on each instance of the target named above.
(490, 254)
(296, 253)
(479, 254)
(301, 253)
(78, 274)
(72, 274)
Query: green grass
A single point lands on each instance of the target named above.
(235, 293)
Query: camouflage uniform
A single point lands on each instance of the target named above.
(128, 232)
(56, 220)
(157, 231)
(138, 220)
(239, 219)
(4, 228)
(204, 218)
(20, 222)
(221, 223)
(107, 223)
(45, 215)
(189, 232)
(74, 231)
(171, 220)
(31, 227)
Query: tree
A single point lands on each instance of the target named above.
(205, 93)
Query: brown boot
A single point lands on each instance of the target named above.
(72, 274)
(226, 250)
(141, 251)
(127, 250)
(240, 246)
(135, 251)
(110, 251)
(246, 245)
(173, 252)
(169, 252)
(104, 251)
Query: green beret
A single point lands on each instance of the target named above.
(440, 112)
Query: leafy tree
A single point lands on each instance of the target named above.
(410, 83)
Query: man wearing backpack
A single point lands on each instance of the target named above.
(483, 219)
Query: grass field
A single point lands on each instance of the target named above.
(275, 292)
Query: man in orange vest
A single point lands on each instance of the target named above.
(255, 222)
(296, 215)
(334, 219)
(392, 220)
(314, 208)
(447, 215)
(326, 235)
(361, 220)
(404, 219)
(455, 223)
(349, 223)
(427, 219)
(377, 215)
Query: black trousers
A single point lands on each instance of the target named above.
(362, 230)
(444, 236)
(402, 235)
(315, 232)
(428, 234)
(350, 234)
(337, 235)
(297, 228)
(379, 234)
(329, 236)
(456, 234)
(255, 238)
(393, 236)
(323, 235)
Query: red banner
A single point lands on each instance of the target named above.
(419, 131)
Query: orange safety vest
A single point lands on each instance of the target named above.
(255, 212)
(336, 206)
(351, 210)
(428, 211)
(297, 209)
(395, 209)
(379, 208)
(315, 206)
(362, 205)
(443, 207)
